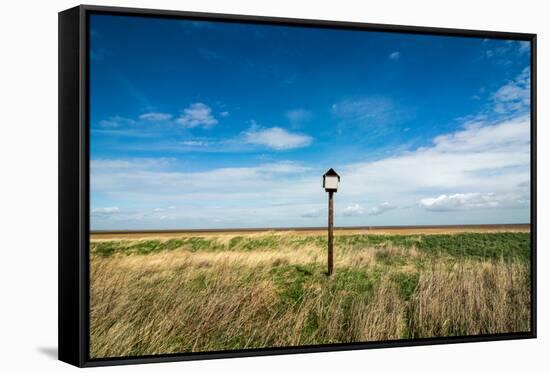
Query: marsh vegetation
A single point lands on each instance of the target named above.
(237, 291)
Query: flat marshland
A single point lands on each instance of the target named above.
(235, 290)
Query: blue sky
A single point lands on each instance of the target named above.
(217, 125)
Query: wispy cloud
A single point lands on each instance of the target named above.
(458, 201)
(197, 115)
(394, 56)
(141, 182)
(155, 116)
(488, 159)
(515, 96)
(353, 210)
(461, 159)
(297, 116)
(106, 210)
(380, 209)
(116, 122)
(356, 209)
(194, 143)
(275, 138)
(470, 201)
(503, 53)
(374, 116)
(104, 213)
(365, 109)
(211, 55)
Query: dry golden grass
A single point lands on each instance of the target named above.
(471, 299)
(98, 236)
(182, 300)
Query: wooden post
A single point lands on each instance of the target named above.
(330, 233)
(330, 183)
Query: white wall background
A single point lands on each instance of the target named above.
(28, 184)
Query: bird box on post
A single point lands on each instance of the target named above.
(331, 180)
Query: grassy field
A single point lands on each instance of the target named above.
(247, 290)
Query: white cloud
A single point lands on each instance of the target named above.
(458, 201)
(500, 50)
(394, 56)
(105, 210)
(380, 209)
(356, 209)
(276, 138)
(353, 210)
(197, 115)
(266, 194)
(484, 138)
(115, 122)
(515, 96)
(194, 143)
(491, 156)
(147, 178)
(468, 201)
(155, 117)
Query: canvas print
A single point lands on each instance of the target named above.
(260, 185)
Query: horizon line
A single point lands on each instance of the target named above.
(242, 229)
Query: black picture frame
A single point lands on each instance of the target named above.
(74, 191)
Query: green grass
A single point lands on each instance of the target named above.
(481, 246)
(406, 283)
(507, 245)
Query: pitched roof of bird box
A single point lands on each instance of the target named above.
(331, 172)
